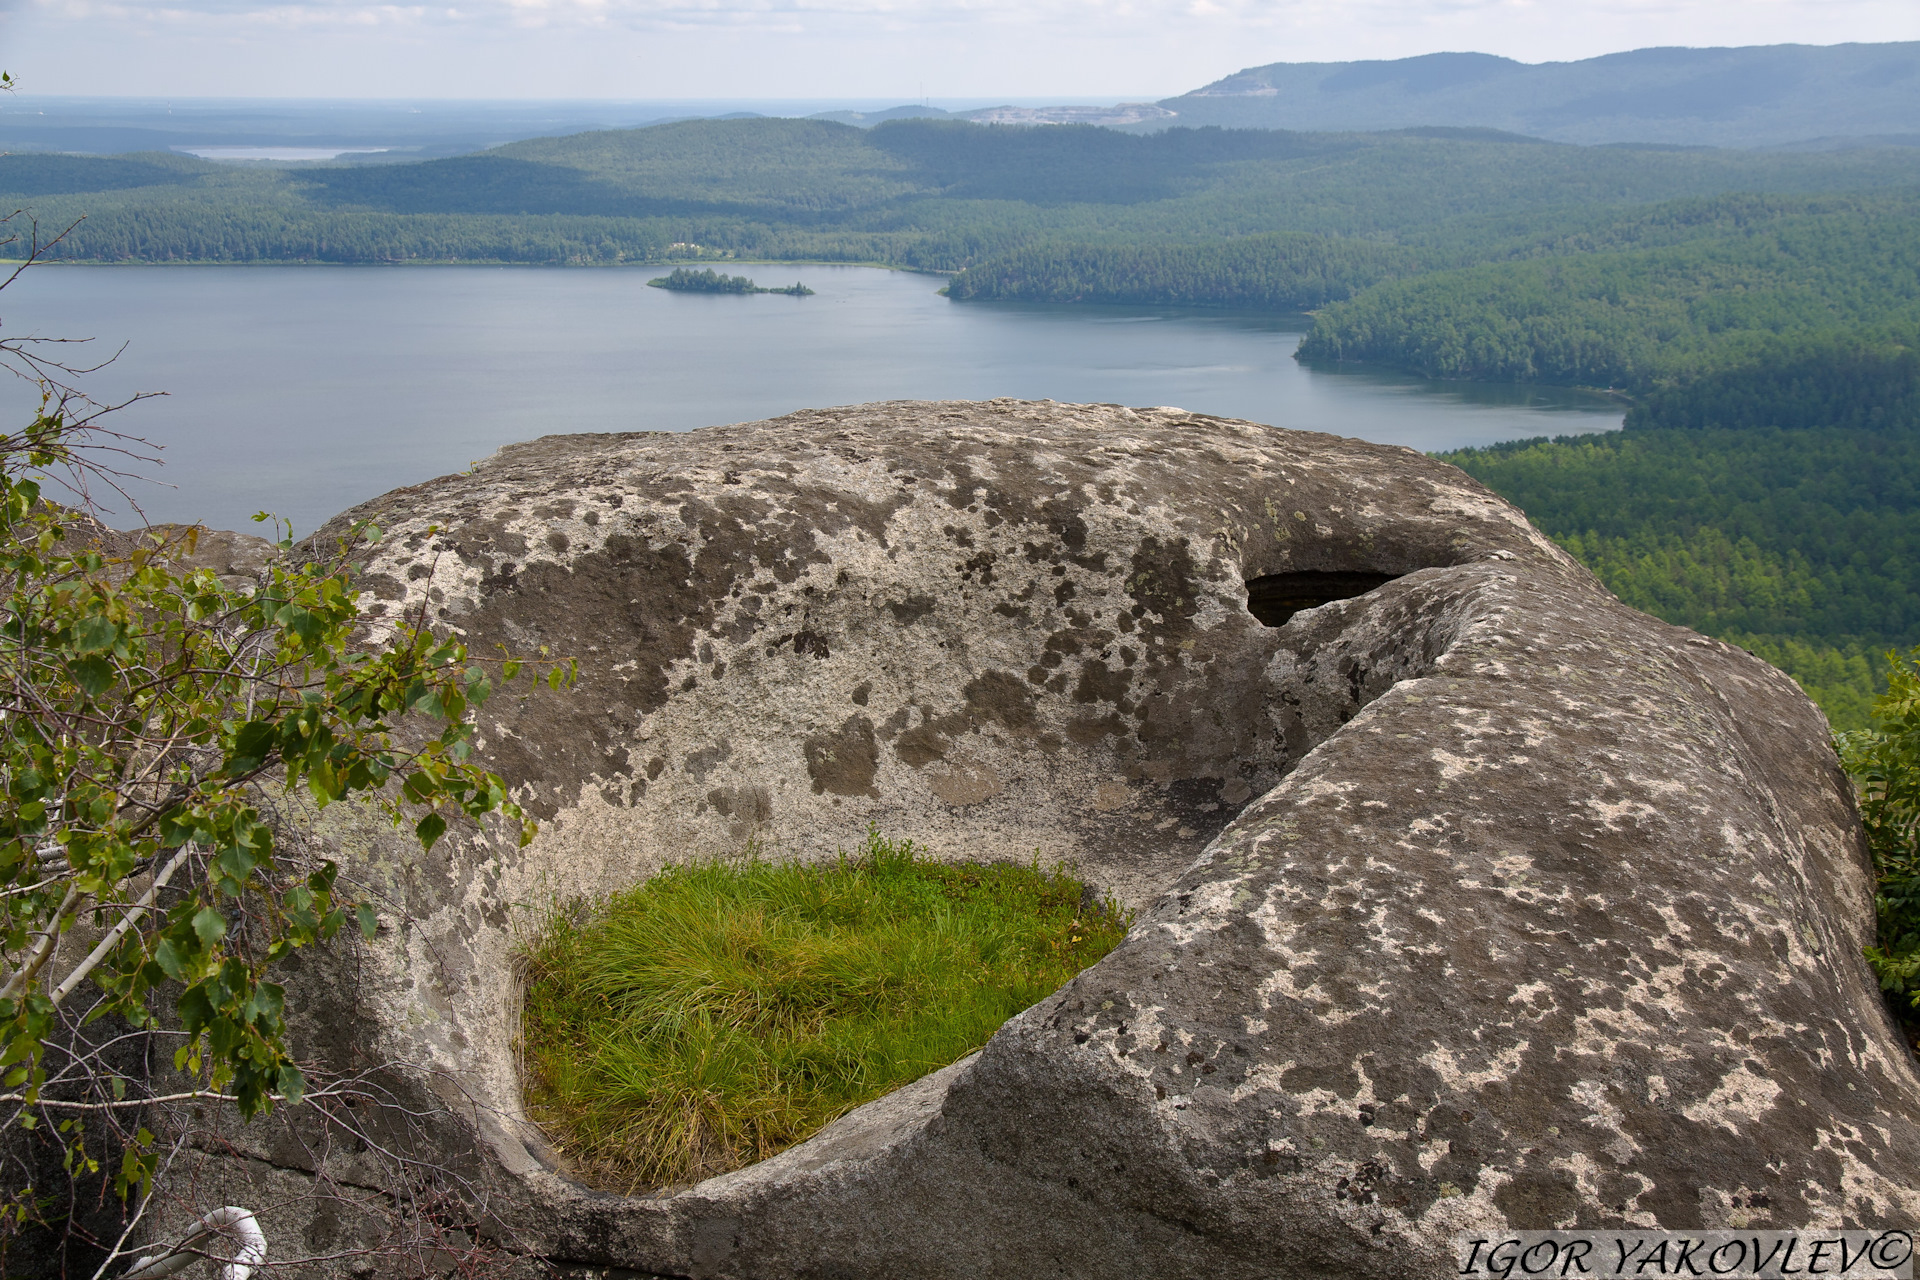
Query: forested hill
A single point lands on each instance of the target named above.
(934, 194)
(1636, 317)
(1758, 96)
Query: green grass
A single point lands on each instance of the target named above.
(724, 1011)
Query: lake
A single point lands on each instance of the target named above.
(305, 390)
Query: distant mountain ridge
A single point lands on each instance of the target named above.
(1758, 96)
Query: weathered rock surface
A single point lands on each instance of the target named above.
(1475, 900)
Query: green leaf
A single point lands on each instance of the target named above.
(196, 1008)
(252, 745)
(430, 829)
(210, 925)
(369, 921)
(321, 782)
(94, 675)
(95, 634)
(171, 962)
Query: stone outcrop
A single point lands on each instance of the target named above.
(1473, 899)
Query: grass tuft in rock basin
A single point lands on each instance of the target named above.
(724, 1011)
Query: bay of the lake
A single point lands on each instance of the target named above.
(306, 390)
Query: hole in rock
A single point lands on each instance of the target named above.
(1276, 597)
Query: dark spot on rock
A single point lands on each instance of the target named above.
(861, 694)
(845, 761)
(701, 763)
(558, 541)
(911, 610)
(418, 572)
(921, 745)
(1161, 581)
(1099, 684)
(1087, 731)
(656, 766)
(383, 586)
(749, 803)
(1535, 1195)
(812, 644)
(998, 697)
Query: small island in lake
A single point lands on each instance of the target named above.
(687, 280)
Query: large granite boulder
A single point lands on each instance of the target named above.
(1468, 897)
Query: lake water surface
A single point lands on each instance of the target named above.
(305, 390)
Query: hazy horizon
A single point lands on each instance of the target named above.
(898, 51)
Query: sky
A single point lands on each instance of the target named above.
(900, 50)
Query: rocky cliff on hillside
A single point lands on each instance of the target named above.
(1469, 897)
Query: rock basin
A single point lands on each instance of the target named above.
(1468, 897)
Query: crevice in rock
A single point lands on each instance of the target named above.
(1276, 597)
